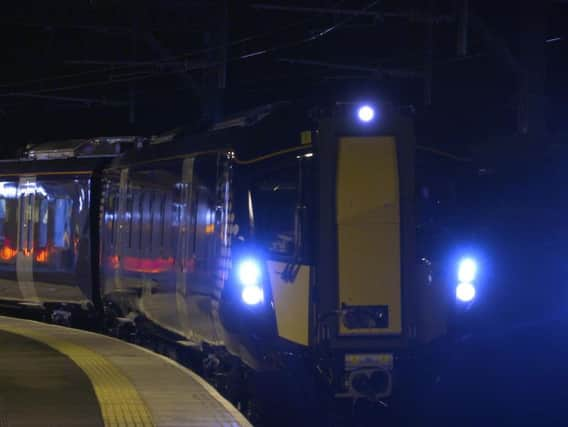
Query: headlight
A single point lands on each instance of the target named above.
(249, 275)
(252, 295)
(366, 113)
(249, 272)
(465, 292)
(467, 270)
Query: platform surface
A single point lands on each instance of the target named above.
(56, 376)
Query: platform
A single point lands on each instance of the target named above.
(56, 376)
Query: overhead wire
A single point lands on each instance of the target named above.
(158, 62)
(272, 155)
(84, 85)
(210, 64)
(443, 153)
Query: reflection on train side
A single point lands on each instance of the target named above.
(44, 235)
(141, 265)
(160, 239)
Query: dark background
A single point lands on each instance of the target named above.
(475, 73)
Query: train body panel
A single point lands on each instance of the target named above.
(163, 243)
(290, 288)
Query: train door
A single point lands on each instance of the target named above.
(109, 229)
(201, 265)
(184, 245)
(366, 232)
(160, 244)
(27, 212)
(60, 241)
(151, 249)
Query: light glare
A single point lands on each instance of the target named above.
(252, 295)
(467, 270)
(249, 273)
(465, 292)
(366, 113)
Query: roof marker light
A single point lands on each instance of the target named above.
(366, 113)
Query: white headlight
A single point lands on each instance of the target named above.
(465, 292)
(366, 113)
(249, 272)
(467, 270)
(252, 295)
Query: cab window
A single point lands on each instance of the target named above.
(278, 206)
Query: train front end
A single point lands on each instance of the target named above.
(324, 252)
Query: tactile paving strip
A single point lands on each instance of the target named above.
(120, 403)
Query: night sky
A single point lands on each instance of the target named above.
(100, 67)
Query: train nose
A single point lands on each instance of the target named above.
(370, 383)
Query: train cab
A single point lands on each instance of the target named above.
(323, 254)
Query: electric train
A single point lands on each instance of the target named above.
(278, 244)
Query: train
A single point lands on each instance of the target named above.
(276, 245)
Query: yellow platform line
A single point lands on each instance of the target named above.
(119, 401)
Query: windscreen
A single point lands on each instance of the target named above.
(272, 204)
(278, 205)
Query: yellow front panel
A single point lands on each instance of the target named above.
(291, 301)
(368, 228)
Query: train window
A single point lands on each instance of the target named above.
(8, 225)
(61, 227)
(146, 222)
(167, 224)
(2, 219)
(25, 240)
(163, 221)
(278, 206)
(157, 210)
(55, 219)
(202, 210)
(203, 223)
(42, 223)
(135, 221)
(272, 205)
(8, 221)
(157, 221)
(112, 217)
(129, 208)
(150, 219)
(7, 253)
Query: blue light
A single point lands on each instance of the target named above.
(465, 292)
(467, 270)
(249, 272)
(366, 113)
(252, 295)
